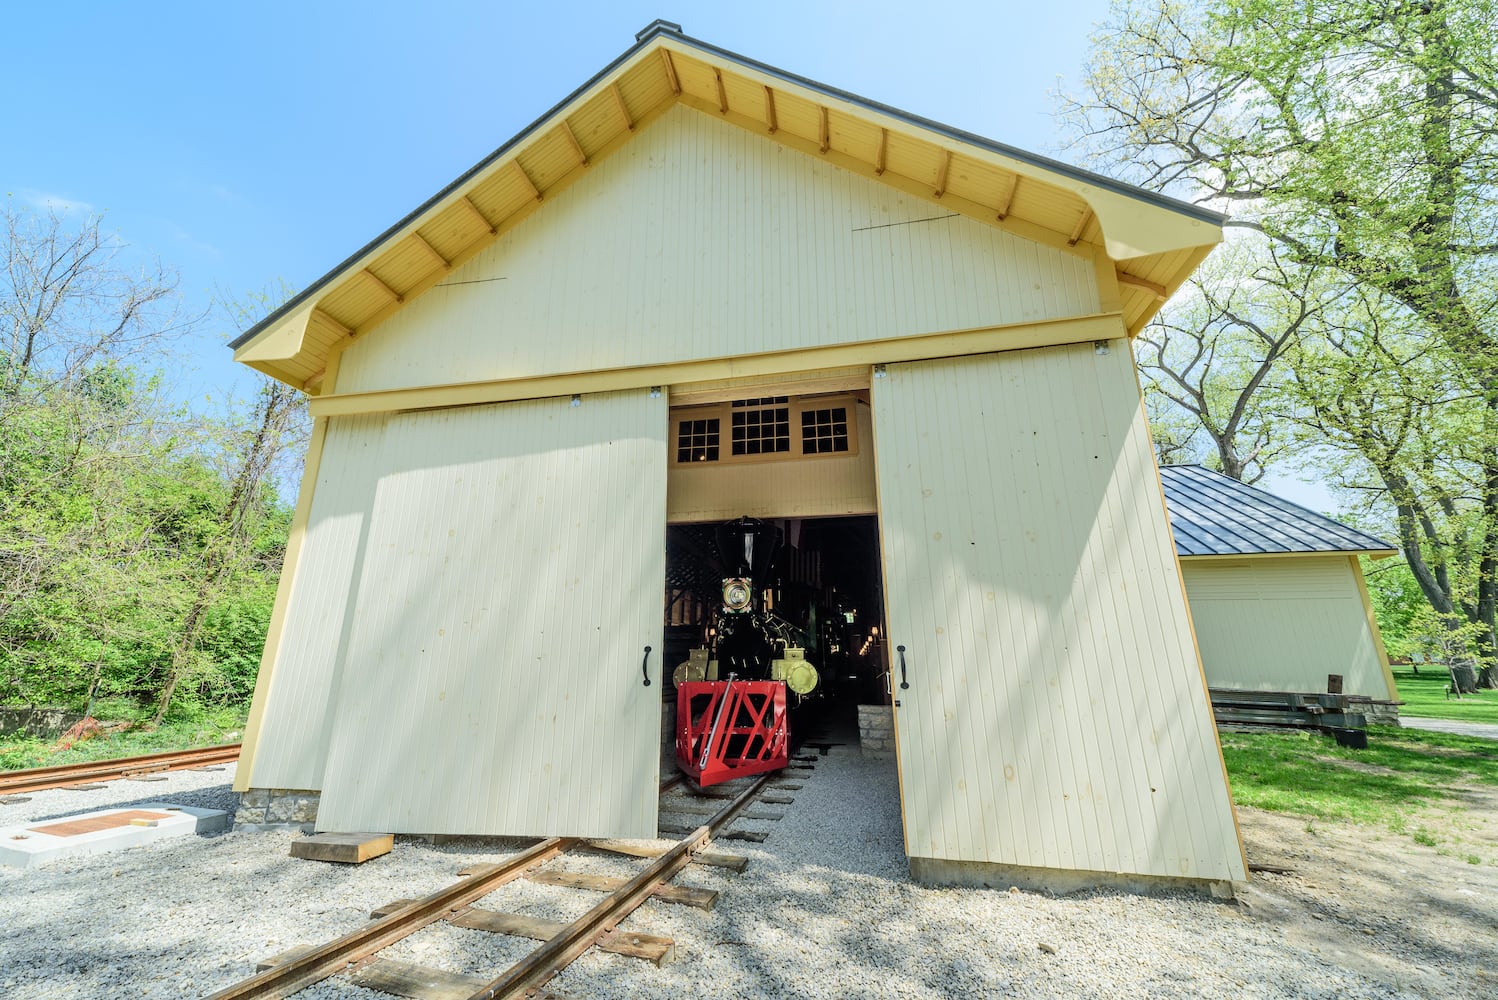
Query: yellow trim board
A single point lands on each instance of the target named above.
(1378, 639)
(984, 340)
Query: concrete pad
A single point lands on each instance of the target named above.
(103, 830)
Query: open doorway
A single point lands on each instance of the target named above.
(821, 592)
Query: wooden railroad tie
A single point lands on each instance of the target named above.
(658, 950)
(690, 808)
(703, 899)
(754, 836)
(404, 979)
(708, 859)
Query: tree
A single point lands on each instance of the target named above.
(67, 303)
(1361, 139)
(1213, 352)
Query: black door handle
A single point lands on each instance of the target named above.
(645, 666)
(904, 684)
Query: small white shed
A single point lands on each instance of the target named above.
(1276, 591)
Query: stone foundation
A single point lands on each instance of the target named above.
(876, 730)
(277, 808)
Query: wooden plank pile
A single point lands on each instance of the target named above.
(1332, 715)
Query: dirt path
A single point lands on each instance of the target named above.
(1370, 898)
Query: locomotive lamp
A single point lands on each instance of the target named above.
(738, 594)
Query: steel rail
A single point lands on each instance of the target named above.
(536, 969)
(37, 779)
(331, 958)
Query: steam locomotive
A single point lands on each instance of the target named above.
(732, 695)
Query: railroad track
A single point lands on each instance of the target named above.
(66, 775)
(354, 954)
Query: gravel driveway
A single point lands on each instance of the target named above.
(824, 910)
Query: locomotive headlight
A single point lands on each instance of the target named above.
(737, 594)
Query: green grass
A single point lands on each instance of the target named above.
(1410, 782)
(1424, 695)
(224, 726)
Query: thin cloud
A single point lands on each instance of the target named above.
(56, 203)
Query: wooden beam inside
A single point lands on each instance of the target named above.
(1076, 232)
(1008, 201)
(571, 138)
(479, 217)
(374, 279)
(770, 118)
(431, 252)
(671, 72)
(722, 91)
(327, 320)
(1134, 281)
(826, 132)
(629, 121)
(882, 157)
(535, 191)
(941, 174)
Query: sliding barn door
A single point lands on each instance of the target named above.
(1056, 715)
(512, 578)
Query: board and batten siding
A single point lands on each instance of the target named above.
(511, 580)
(291, 746)
(1283, 623)
(700, 240)
(823, 486)
(1056, 715)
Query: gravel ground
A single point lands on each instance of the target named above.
(824, 910)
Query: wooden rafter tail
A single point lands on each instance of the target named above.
(670, 72)
(1134, 281)
(431, 252)
(478, 216)
(535, 191)
(722, 91)
(881, 159)
(571, 138)
(943, 172)
(326, 319)
(382, 287)
(770, 119)
(628, 119)
(826, 131)
(1076, 232)
(1008, 202)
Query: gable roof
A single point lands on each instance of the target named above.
(1156, 241)
(1215, 515)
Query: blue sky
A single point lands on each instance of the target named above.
(245, 144)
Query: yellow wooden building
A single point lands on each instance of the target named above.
(1277, 594)
(514, 390)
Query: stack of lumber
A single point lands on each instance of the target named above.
(1329, 714)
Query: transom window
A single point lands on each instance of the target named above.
(767, 428)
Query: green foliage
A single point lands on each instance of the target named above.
(207, 727)
(1396, 783)
(1424, 696)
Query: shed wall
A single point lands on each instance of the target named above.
(1284, 624)
(1056, 715)
(292, 743)
(701, 240)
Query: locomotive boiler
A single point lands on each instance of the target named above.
(732, 695)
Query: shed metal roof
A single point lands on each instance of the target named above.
(1215, 515)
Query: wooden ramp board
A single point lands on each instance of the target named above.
(703, 899)
(637, 849)
(345, 848)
